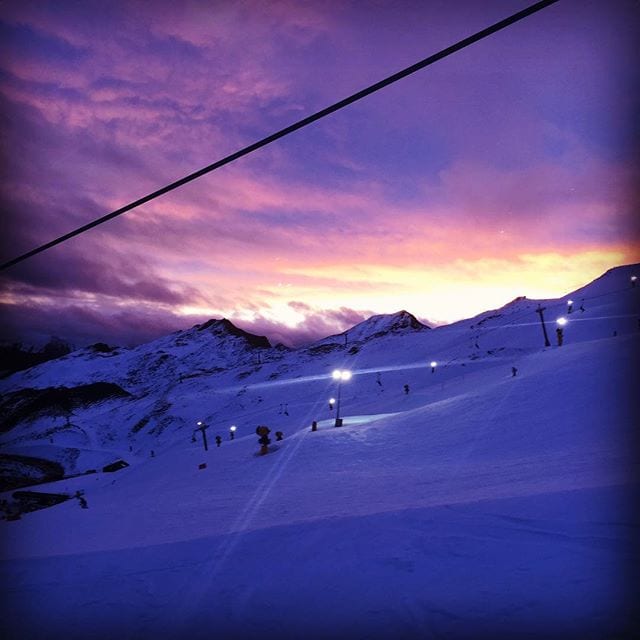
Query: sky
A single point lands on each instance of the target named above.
(506, 169)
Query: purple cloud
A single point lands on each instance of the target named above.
(520, 145)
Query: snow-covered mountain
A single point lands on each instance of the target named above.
(212, 346)
(486, 496)
(375, 327)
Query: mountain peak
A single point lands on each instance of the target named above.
(226, 327)
(379, 325)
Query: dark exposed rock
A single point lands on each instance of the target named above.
(22, 471)
(323, 348)
(27, 404)
(34, 500)
(16, 358)
(102, 347)
(224, 326)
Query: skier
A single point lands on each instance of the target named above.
(153, 453)
(264, 441)
(406, 389)
(582, 306)
(279, 435)
(560, 335)
(514, 372)
(218, 441)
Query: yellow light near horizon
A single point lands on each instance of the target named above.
(435, 293)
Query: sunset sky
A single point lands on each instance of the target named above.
(507, 169)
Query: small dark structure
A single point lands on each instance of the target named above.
(560, 335)
(203, 465)
(314, 426)
(514, 372)
(115, 466)
(279, 435)
(218, 441)
(406, 389)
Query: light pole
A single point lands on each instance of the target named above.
(332, 401)
(561, 322)
(232, 431)
(569, 306)
(202, 427)
(340, 375)
(633, 280)
(433, 365)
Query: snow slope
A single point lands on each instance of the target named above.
(477, 505)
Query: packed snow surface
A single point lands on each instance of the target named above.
(472, 503)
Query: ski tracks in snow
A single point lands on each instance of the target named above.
(212, 566)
